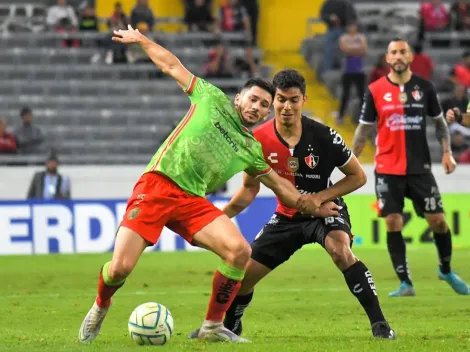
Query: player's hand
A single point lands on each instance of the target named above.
(448, 163)
(128, 36)
(307, 204)
(453, 114)
(328, 209)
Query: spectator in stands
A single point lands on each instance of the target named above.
(118, 19)
(219, 63)
(422, 64)
(380, 69)
(434, 16)
(233, 17)
(458, 100)
(29, 138)
(464, 157)
(458, 144)
(7, 140)
(198, 16)
(62, 18)
(142, 13)
(252, 8)
(460, 73)
(50, 184)
(88, 20)
(354, 47)
(460, 15)
(336, 14)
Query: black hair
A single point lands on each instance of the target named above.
(25, 111)
(261, 83)
(398, 39)
(289, 78)
(418, 49)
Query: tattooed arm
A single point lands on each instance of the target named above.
(361, 135)
(443, 135)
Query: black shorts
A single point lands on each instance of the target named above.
(423, 191)
(282, 236)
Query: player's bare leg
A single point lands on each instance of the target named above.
(222, 237)
(359, 280)
(397, 250)
(128, 248)
(443, 242)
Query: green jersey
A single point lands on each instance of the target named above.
(209, 145)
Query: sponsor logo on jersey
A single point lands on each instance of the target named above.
(293, 163)
(387, 97)
(397, 122)
(225, 134)
(311, 160)
(272, 158)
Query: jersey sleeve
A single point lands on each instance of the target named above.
(368, 111)
(259, 166)
(197, 88)
(340, 152)
(434, 109)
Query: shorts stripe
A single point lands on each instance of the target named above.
(177, 132)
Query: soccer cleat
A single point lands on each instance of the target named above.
(404, 290)
(457, 284)
(382, 330)
(218, 334)
(91, 325)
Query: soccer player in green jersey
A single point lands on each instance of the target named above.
(210, 145)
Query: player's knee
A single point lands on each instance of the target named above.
(438, 224)
(239, 254)
(394, 222)
(341, 255)
(119, 270)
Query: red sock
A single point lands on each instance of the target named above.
(224, 291)
(105, 292)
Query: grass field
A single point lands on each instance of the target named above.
(303, 306)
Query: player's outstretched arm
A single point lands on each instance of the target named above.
(244, 196)
(363, 132)
(443, 136)
(163, 58)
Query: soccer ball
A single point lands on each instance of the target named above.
(151, 324)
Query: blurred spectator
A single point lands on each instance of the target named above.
(135, 52)
(62, 18)
(219, 63)
(252, 8)
(458, 143)
(458, 100)
(88, 20)
(434, 16)
(233, 17)
(380, 69)
(29, 138)
(336, 14)
(464, 157)
(49, 184)
(198, 16)
(7, 140)
(354, 47)
(460, 73)
(460, 15)
(142, 13)
(422, 64)
(118, 19)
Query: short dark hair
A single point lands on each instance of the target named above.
(261, 83)
(399, 39)
(25, 111)
(289, 78)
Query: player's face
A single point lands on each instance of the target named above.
(399, 56)
(288, 105)
(253, 104)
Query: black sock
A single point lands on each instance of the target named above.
(397, 250)
(361, 284)
(234, 314)
(443, 243)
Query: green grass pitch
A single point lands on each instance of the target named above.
(303, 306)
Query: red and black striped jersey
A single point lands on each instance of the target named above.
(400, 113)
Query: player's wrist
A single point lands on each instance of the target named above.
(447, 152)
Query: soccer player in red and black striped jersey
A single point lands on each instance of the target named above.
(400, 103)
(305, 152)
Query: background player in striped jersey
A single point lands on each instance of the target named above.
(305, 152)
(210, 145)
(400, 103)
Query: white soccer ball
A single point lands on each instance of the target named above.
(151, 324)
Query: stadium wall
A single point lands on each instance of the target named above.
(88, 223)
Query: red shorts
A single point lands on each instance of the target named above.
(157, 201)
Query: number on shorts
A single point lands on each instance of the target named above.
(430, 204)
(329, 220)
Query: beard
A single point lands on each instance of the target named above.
(400, 70)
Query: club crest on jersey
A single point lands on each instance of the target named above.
(417, 95)
(312, 161)
(293, 163)
(402, 97)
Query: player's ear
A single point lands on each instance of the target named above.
(304, 99)
(237, 99)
